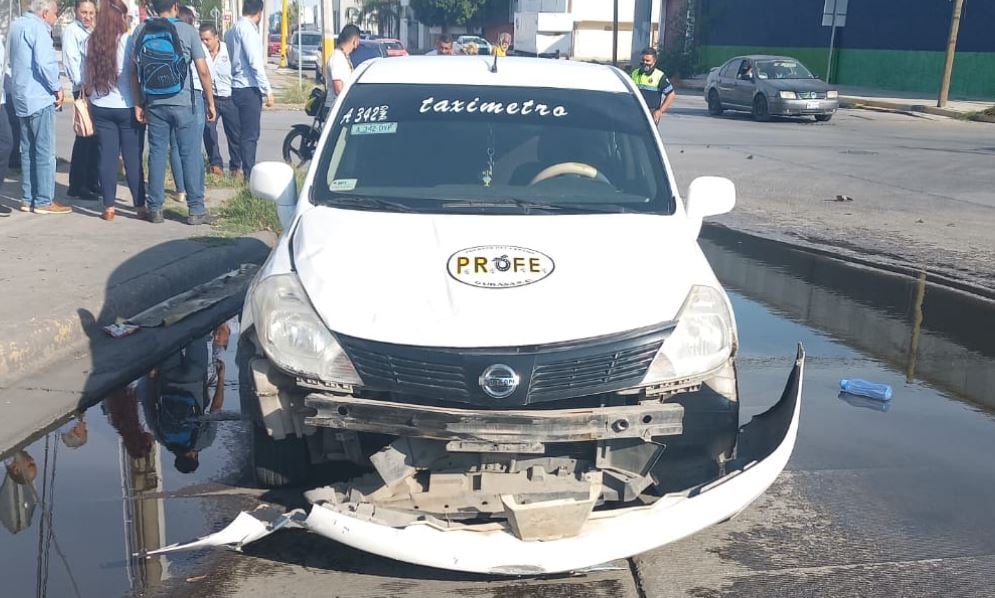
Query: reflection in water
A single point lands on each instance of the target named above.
(864, 402)
(933, 333)
(174, 404)
(17, 494)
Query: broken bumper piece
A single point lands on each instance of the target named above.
(764, 446)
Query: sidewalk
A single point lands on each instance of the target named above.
(62, 273)
(886, 99)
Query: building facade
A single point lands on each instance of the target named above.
(885, 44)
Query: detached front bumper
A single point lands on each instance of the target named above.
(780, 107)
(764, 446)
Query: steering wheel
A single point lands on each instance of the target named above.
(565, 168)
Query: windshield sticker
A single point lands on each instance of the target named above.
(343, 184)
(499, 266)
(365, 114)
(523, 108)
(374, 129)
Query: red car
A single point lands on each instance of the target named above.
(394, 47)
(274, 44)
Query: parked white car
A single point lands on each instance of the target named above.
(490, 295)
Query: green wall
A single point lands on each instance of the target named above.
(916, 71)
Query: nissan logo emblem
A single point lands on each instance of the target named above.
(499, 381)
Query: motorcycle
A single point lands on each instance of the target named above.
(301, 141)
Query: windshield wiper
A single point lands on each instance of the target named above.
(364, 202)
(504, 202)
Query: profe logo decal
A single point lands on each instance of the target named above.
(499, 266)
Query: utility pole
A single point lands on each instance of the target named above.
(284, 25)
(948, 67)
(642, 19)
(615, 35)
(832, 46)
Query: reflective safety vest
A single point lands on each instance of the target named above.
(653, 86)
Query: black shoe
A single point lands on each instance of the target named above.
(197, 219)
(5, 211)
(155, 217)
(86, 195)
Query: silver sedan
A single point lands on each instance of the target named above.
(769, 86)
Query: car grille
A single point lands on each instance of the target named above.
(588, 375)
(811, 95)
(547, 373)
(380, 369)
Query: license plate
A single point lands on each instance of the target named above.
(811, 105)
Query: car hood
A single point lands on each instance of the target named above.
(391, 277)
(796, 84)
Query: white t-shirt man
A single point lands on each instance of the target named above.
(339, 68)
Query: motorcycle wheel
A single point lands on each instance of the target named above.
(298, 145)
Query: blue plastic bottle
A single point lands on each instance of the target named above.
(863, 388)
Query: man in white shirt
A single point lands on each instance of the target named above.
(339, 68)
(217, 57)
(443, 46)
(248, 79)
(83, 166)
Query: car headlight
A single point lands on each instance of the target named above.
(701, 341)
(788, 95)
(293, 336)
(832, 95)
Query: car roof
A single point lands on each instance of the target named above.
(511, 72)
(764, 57)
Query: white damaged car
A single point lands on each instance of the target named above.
(490, 307)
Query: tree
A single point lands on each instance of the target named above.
(443, 13)
(385, 13)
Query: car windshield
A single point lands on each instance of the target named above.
(461, 148)
(782, 69)
(306, 39)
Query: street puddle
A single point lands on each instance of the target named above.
(166, 459)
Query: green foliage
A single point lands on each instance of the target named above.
(244, 214)
(442, 13)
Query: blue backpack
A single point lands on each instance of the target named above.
(162, 66)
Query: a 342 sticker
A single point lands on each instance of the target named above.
(499, 266)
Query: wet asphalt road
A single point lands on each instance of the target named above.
(874, 502)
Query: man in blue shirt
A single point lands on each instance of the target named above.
(37, 94)
(166, 114)
(248, 79)
(83, 169)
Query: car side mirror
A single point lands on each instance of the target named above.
(275, 181)
(707, 196)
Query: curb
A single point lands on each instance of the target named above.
(50, 339)
(861, 102)
(934, 276)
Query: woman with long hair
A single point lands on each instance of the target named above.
(113, 99)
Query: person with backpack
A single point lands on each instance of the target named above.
(178, 404)
(248, 79)
(165, 47)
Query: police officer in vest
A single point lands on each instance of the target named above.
(657, 91)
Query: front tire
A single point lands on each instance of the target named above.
(278, 463)
(761, 112)
(714, 104)
(823, 118)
